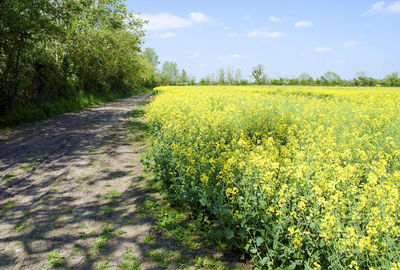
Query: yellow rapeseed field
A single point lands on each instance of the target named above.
(293, 176)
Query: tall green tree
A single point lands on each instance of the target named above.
(151, 56)
(331, 78)
(238, 76)
(221, 76)
(184, 78)
(22, 25)
(169, 72)
(305, 79)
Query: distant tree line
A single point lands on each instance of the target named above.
(52, 49)
(229, 76)
(169, 73)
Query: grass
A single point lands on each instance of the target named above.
(103, 239)
(83, 179)
(136, 113)
(79, 249)
(55, 259)
(9, 177)
(4, 210)
(111, 194)
(130, 261)
(28, 166)
(21, 227)
(159, 257)
(176, 226)
(102, 265)
(111, 197)
(44, 110)
(138, 130)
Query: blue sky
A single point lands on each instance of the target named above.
(287, 37)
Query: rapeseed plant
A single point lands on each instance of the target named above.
(291, 175)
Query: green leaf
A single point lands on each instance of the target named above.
(259, 241)
(203, 201)
(229, 234)
(253, 250)
(292, 266)
(264, 261)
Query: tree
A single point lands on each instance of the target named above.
(258, 73)
(52, 49)
(362, 79)
(221, 76)
(392, 79)
(331, 78)
(22, 25)
(192, 80)
(238, 76)
(151, 56)
(229, 74)
(170, 72)
(305, 79)
(184, 77)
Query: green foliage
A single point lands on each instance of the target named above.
(169, 72)
(224, 77)
(37, 111)
(52, 52)
(258, 74)
(130, 261)
(186, 234)
(55, 259)
(151, 56)
(103, 239)
(102, 265)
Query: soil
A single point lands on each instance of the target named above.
(71, 186)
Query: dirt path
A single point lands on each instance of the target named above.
(70, 188)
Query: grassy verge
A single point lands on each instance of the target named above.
(179, 240)
(45, 110)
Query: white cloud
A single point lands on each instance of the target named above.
(199, 17)
(236, 56)
(394, 8)
(232, 35)
(161, 21)
(168, 35)
(203, 65)
(375, 8)
(350, 43)
(227, 28)
(164, 21)
(266, 34)
(302, 24)
(379, 7)
(274, 19)
(322, 49)
(246, 18)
